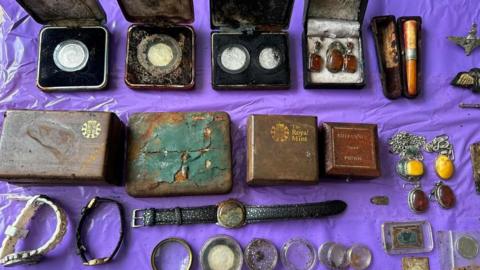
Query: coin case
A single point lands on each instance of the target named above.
(458, 249)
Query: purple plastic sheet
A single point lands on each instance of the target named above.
(435, 112)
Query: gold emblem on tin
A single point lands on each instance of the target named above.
(91, 129)
(280, 132)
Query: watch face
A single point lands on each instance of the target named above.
(231, 214)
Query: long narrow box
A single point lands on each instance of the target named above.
(61, 147)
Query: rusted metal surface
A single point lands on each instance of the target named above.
(179, 154)
(351, 150)
(282, 149)
(61, 147)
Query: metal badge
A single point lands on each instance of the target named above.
(71, 55)
(467, 247)
(415, 263)
(469, 80)
(468, 43)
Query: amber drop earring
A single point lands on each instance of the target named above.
(316, 60)
(350, 63)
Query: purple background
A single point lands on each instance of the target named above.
(433, 113)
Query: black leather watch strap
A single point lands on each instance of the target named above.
(293, 211)
(177, 216)
(81, 247)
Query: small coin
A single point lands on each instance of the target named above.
(467, 247)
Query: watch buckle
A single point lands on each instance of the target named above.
(136, 216)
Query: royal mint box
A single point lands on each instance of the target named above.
(160, 45)
(61, 147)
(249, 44)
(332, 44)
(73, 44)
(351, 150)
(282, 149)
(179, 154)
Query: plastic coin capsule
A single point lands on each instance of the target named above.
(261, 254)
(359, 257)
(298, 254)
(221, 252)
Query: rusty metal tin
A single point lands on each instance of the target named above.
(282, 149)
(179, 154)
(351, 150)
(61, 147)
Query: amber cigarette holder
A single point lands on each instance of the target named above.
(410, 32)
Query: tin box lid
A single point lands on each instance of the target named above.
(64, 12)
(350, 10)
(158, 11)
(264, 14)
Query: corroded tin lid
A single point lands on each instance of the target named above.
(158, 11)
(65, 11)
(266, 14)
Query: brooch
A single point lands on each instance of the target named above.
(468, 43)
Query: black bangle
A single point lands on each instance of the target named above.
(86, 211)
(180, 241)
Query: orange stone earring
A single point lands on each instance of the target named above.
(316, 61)
(350, 63)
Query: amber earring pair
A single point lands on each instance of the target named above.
(339, 58)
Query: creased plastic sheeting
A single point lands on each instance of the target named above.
(435, 112)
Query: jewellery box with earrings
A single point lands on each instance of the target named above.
(73, 44)
(249, 46)
(398, 47)
(160, 51)
(332, 44)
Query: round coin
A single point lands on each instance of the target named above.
(234, 59)
(71, 55)
(221, 252)
(269, 58)
(467, 247)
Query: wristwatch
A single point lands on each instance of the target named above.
(233, 214)
(86, 212)
(16, 231)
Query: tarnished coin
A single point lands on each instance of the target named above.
(467, 247)
(234, 59)
(269, 58)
